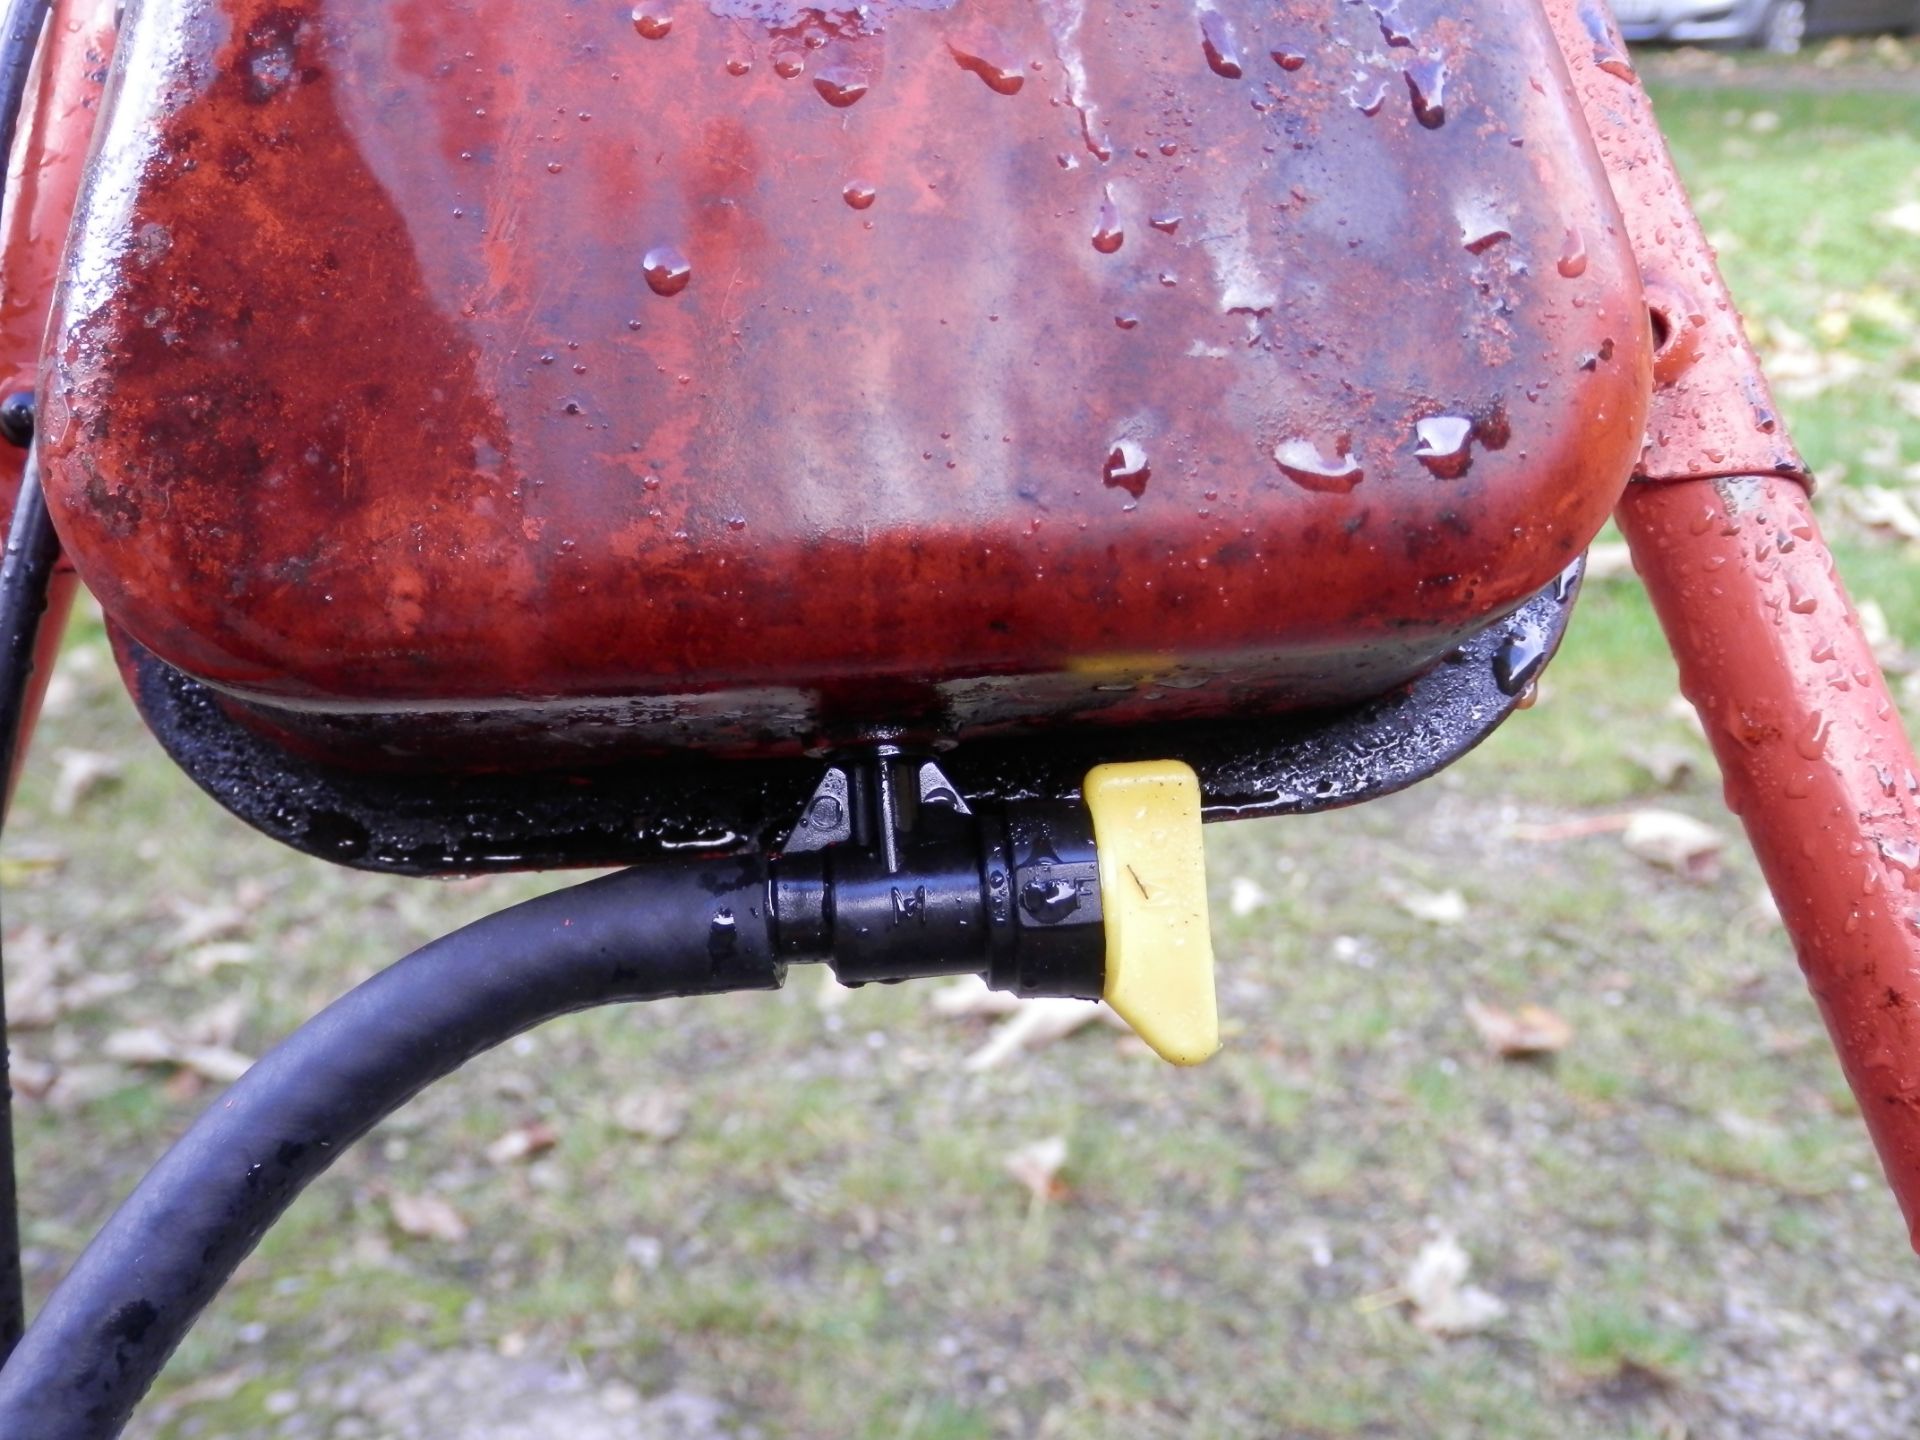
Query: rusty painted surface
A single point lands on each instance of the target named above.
(1817, 766)
(43, 176)
(740, 377)
(1712, 412)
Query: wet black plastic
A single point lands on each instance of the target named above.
(436, 825)
(695, 927)
(889, 874)
(32, 551)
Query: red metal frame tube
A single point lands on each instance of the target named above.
(1770, 649)
(1816, 764)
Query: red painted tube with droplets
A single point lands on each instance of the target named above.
(1770, 649)
(1816, 764)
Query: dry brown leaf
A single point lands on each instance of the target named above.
(1879, 508)
(1674, 842)
(37, 964)
(1037, 1166)
(1028, 1024)
(427, 1217)
(1244, 896)
(200, 923)
(219, 1024)
(80, 773)
(657, 1115)
(1904, 216)
(970, 996)
(147, 1046)
(1669, 766)
(220, 954)
(523, 1143)
(31, 1078)
(1435, 1285)
(83, 1084)
(47, 980)
(1034, 1024)
(89, 990)
(1518, 1034)
(1436, 907)
(1877, 631)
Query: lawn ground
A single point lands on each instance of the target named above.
(791, 1215)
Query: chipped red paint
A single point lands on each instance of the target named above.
(43, 176)
(492, 381)
(1712, 412)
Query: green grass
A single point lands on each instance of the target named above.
(1798, 211)
(1603, 1339)
(832, 1245)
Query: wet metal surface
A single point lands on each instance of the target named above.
(1817, 765)
(501, 384)
(423, 823)
(1712, 411)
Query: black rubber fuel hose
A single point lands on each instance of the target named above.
(684, 928)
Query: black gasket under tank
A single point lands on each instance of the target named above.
(457, 824)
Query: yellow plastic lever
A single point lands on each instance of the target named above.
(1153, 885)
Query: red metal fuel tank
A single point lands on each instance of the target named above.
(483, 382)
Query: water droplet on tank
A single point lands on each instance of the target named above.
(1289, 60)
(666, 269)
(1445, 445)
(739, 65)
(1812, 743)
(1108, 236)
(1001, 76)
(1392, 29)
(653, 20)
(1217, 40)
(1519, 660)
(1481, 233)
(1367, 94)
(1427, 84)
(789, 63)
(840, 86)
(1127, 469)
(1301, 461)
(1166, 224)
(1125, 321)
(1573, 254)
(858, 194)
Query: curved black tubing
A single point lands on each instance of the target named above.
(31, 554)
(26, 572)
(684, 928)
